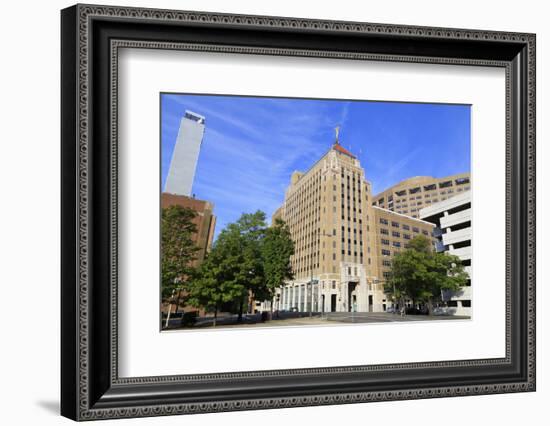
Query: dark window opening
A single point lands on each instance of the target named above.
(430, 187)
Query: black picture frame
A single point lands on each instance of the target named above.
(90, 386)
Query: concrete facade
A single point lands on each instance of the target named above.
(453, 219)
(186, 154)
(409, 196)
(335, 230)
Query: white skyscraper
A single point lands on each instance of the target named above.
(186, 154)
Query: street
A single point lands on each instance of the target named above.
(303, 319)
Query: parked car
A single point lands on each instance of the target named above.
(189, 318)
(443, 310)
(416, 311)
(392, 310)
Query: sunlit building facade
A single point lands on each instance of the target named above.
(181, 174)
(411, 195)
(339, 251)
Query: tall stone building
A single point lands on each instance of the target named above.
(411, 195)
(338, 261)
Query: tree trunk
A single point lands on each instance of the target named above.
(215, 315)
(430, 306)
(240, 317)
(178, 301)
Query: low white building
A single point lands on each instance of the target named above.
(453, 220)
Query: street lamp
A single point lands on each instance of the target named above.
(311, 278)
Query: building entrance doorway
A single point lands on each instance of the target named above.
(352, 297)
(332, 303)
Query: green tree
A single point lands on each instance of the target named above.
(214, 283)
(445, 273)
(178, 250)
(277, 248)
(421, 274)
(233, 270)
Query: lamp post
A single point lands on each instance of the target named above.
(311, 279)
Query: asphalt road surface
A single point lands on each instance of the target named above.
(331, 318)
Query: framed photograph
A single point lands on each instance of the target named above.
(265, 212)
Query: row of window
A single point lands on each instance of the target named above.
(387, 243)
(417, 190)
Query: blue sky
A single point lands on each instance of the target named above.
(252, 145)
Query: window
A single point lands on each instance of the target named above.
(406, 227)
(386, 262)
(466, 303)
(446, 184)
(384, 231)
(407, 236)
(383, 221)
(333, 285)
(429, 187)
(415, 229)
(386, 274)
(385, 242)
(396, 244)
(385, 252)
(395, 234)
(395, 224)
(425, 232)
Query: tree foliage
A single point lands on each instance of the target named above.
(277, 248)
(178, 250)
(421, 274)
(233, 270)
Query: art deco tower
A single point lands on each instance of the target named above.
(343, 244)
